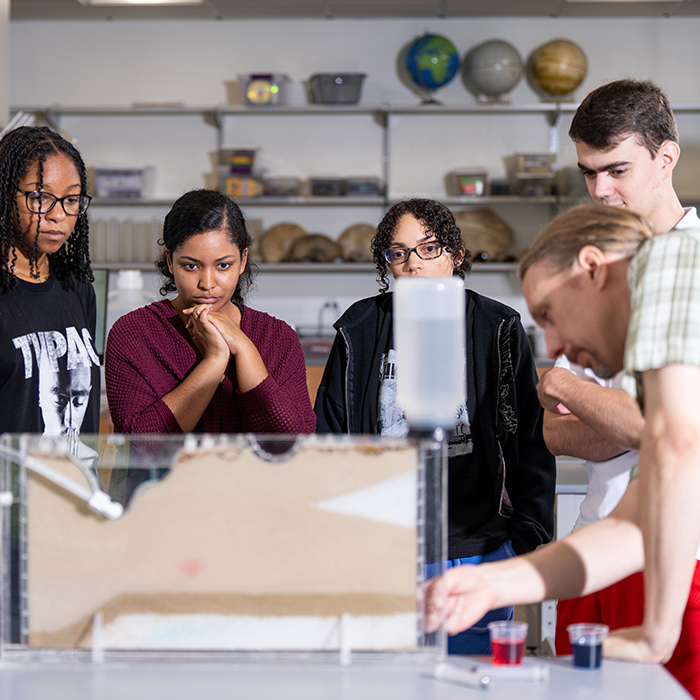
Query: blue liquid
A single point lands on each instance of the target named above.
(587, 655)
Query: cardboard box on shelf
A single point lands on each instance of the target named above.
(467, 182)
(530, 174)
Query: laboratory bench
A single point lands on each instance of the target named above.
(307, 681)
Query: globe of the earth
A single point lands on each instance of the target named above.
(557, 67)
(491, 70)
(431, 61)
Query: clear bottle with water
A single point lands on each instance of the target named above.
(430, 342)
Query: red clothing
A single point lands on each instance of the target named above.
(149, 352)
(622, 605)
(619, 605)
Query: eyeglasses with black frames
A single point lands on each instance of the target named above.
(39, 202)
(429, 250)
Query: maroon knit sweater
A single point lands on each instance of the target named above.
(149, 352)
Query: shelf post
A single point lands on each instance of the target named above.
(219, 124)
(386, 146)
(553, 122)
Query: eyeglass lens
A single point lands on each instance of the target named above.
(43, 202)
(425, 251)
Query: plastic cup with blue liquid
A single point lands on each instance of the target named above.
(586, 641)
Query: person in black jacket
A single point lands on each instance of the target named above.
(501, 475)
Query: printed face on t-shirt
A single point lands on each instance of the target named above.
(63, 397)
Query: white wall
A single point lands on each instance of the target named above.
(120, 63)
(4, 60)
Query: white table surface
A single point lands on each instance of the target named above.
(615, 680)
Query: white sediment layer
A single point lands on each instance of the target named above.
(245, 632)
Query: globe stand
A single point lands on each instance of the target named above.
(502, 99)
(427, 97)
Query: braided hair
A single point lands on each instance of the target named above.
(435, 218)
(20, 150)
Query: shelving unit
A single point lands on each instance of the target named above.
(391, 141)
(217, 118)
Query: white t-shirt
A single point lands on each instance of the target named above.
(607, 480)
(392, 422)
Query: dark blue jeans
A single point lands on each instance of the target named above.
(475, 640)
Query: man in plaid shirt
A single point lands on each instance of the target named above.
(594, 273)
(627, 148)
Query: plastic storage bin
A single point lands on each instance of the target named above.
(121, 182)
(336, 88)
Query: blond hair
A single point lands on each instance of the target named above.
(616, 231)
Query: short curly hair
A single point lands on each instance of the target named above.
(435, 218)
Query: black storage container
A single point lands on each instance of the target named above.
(336, 88)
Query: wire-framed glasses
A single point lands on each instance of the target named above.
(39, 202)
(428, 250)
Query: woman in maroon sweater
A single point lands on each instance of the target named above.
(204, 362)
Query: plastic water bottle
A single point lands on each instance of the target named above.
(128, 295)
(430, 341)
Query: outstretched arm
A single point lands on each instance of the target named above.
(587, 560)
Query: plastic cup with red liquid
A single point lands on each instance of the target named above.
(507, 641)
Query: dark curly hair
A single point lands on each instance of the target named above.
(199, 211)
(622, 108)
(20, 150)
(435, 218)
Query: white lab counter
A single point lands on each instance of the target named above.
(614, 680)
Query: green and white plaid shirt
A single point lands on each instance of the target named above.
(664, 328)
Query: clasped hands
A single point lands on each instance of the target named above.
(216, 333)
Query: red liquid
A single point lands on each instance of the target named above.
(506, 651)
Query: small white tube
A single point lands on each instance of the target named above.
(515, 672)
(462, 676)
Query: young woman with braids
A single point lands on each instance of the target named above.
(49, 370)
(501, 476)
(204, 361)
